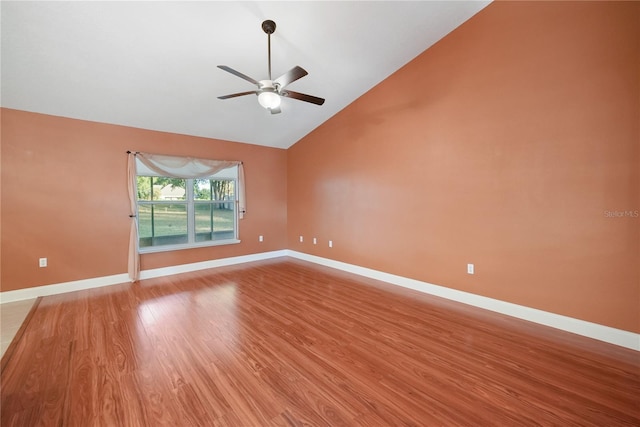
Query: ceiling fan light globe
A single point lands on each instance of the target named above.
(269, 100)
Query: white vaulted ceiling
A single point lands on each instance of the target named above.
(152, 65)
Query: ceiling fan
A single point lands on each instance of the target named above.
(270, 91)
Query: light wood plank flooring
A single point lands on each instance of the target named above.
(12, 314)
(287, 343)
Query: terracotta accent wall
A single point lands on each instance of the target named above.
(64, 197)
(513, 144)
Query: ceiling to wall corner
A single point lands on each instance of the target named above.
(153, 65)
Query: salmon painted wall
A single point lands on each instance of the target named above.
(64, 197)
(513, 144)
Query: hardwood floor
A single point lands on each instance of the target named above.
(287, 343)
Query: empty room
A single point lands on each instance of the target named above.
(340, 213)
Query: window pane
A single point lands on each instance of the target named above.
(214, 221)
(165, 188)
(162, 224)
(202, 189)
(144, 221)
(222, 189)
(144, 187)
(204, 221)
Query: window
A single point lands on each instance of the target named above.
(177, 213)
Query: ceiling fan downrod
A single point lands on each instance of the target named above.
(269, 27)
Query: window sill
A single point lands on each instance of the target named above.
(166, 248)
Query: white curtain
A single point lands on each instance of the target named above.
(134, 258)
(179, 167)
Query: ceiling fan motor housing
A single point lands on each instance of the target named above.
(268, 85)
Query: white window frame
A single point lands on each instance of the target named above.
(226, 174)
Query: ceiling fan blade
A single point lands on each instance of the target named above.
(291, 76)
(233, 95)
(276, 110)
(303, 97)
(239, 74)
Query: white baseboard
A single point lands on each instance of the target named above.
(592, 330)
(78, 285)
(61, 288)
(581, 327)
(214, 263)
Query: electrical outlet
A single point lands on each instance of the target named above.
(301, 239)
(470, 269)
(43, 262)
(330, 243)
(260, 238)
(315, 241)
